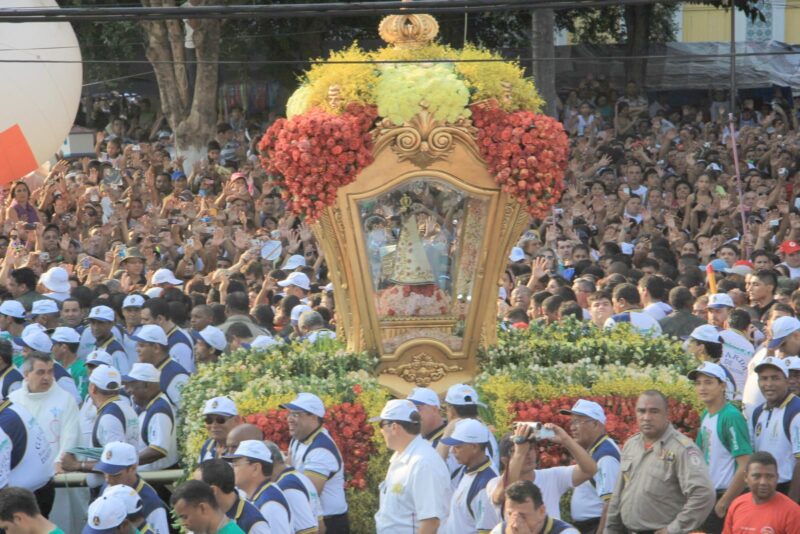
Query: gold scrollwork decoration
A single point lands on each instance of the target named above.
(424, 139)
(422, 370)
(408, 31)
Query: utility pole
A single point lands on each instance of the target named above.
(733, 58)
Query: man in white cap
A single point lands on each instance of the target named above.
(705, 344)
(132, 316)
(219, 474)
(737, 348)
(294, 318)
(179, 343)
(471, 509)
(723, 438)
(432, 423)
(297, 284)
(33, 340)
(118, 464)
(107, 516)
(25, 459)
(198, 510)
(45, 312)
(209, 344)
(589, 503)
(221, 416)
(101, 322)
(775, 425)
(158, 446)
(65, 350)
(252, 467)
(151, 346)
(462, 403)
(414, 496)
(299, 491)
(293, 262)
(314, 453)
(133, 506)
(12, 323)
(516, 255)
(719, 308)
(164, 278)
(793, 365)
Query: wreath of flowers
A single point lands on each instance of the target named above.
(526, 153)
(312, 155)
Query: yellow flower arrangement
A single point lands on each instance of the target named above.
(402, 88)
(355, 81)
(298, 103)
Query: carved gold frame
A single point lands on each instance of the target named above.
(422, 147)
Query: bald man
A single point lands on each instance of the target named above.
(242, 433)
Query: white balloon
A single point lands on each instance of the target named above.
(42, 98)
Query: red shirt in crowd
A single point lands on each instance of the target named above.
(779, 515)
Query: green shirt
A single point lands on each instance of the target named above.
(56, 531)
(230, 528)
(80, 375)
(723, 437)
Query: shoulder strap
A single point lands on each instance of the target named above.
(791, 410)
(756, 414)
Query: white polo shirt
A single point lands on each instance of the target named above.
(157, 426)
(319, 457)
(768, 433)
(303, 500)
(554, 482)
(24, 451)
(471, 508)
(641, 322)
(751, 395)
(589, 498)
(737, 351)
(417, 487)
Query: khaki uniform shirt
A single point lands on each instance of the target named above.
(665, 486)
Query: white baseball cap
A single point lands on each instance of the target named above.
(587, 408)
(12, 308)
(102, 313)
(468, 431)
(65, 334)
(517, 254)
(307, 402)
(397, 410)
(424, 396)
(142, 372)
(295, 261)
(220, 406)
(792, 363)
(165, 276)
(154, 292)
(711, 369)
(150, 333)
(462, 395)
(253, 449)
(128, 495)
(44, 306)
(133, 301)
(781, 328)
(296, 279)
(264, 342)
(116, 456)
(772, 361)
(720, 300)
(106, 377)
(213, 337)
(298, 310)
(706, 332)
(99, 357)
(34, 339)
(56, 279)
(105, 515)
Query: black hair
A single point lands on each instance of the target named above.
(195, 492)
(654, 285)
(218, 473)
(217, 314)
(158, 307)
(680, 298)
(768, 277)
(570, 308)
(83, 295)
(6, 351)
(465, 411)
(760, 457)
(239, 330)
(238, 301)
(739, 319)
(17, 500)
(25, 276)
(627, 292)
(517, 315)
(524, 490)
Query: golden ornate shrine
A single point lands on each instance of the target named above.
(417, 244)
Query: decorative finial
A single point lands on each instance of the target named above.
(408, 31)
(334, 96)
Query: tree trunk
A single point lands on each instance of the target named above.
(637, 22)
(190, 111)
(542, 45)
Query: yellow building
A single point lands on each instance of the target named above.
(703, 23)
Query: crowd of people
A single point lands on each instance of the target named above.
(124, 273)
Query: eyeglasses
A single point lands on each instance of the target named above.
(384, 424)
(219, 419)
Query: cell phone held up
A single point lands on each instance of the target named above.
(537, 431)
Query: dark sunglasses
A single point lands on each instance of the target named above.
(219, 419)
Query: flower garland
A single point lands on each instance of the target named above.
(314, 154)
(526, 152)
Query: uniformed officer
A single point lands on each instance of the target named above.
(430, 413)
(314, 453)
(252, 466)
(415, 494)
(664, 487)
(118, 463)
(220, 416)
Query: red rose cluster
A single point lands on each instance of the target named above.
(526, 152)
(620, 420)
(349, 428)
(314, 154)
